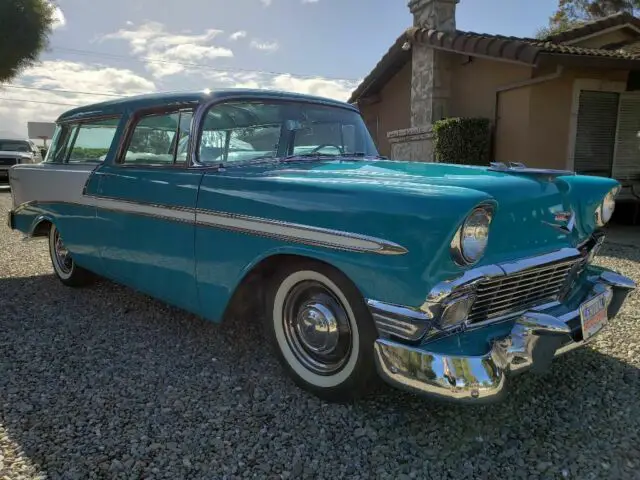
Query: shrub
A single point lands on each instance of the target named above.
(462, 140)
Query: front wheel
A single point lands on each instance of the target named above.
(63, 265)
(321, 330)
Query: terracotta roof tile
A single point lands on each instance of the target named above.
(525, 50)
(528, 51)
(594, 26)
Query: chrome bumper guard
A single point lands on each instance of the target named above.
(535, 340)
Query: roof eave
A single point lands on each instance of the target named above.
(587, 61)
(389, 65)
(594, 27)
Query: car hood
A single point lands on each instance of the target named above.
(528, 207)
(8, 153)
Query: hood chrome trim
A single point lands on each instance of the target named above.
(515, 167)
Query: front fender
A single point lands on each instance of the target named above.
(420, 219)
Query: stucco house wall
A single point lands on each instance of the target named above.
(475, 81)
(392, 111)
(533, 125)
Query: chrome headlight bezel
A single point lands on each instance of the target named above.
(461, 254)
(605, 210)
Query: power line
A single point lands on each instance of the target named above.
(37, 101)
(77, 51)
(45, 89)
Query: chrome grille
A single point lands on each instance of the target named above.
(8, 161)
(519, 291)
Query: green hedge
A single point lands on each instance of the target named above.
(463, 140)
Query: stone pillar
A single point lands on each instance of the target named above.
(430, 82)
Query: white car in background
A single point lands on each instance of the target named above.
(15, 152)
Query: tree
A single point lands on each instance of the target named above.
(573, 13)
(25, 26)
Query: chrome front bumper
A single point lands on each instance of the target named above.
(536, 338)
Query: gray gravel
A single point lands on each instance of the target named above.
(108, 383)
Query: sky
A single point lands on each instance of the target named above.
(102, 49)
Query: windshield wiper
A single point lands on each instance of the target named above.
(364, 155)
(316, 155)
(328, 155)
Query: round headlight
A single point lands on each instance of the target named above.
(605, 210)
(472, 237)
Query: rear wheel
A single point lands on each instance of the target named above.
(63, 265)
(321, 330)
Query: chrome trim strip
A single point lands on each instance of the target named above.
(518, 266)
(307, 234)
(475, 275)
(281, 230)
(516, 167)
(444, 289)
(398, 321)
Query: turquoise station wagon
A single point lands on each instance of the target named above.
(441, 279)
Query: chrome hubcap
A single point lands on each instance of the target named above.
(63, 258)
(317, 328)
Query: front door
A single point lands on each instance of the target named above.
(146, 203)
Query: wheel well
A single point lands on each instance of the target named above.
(42, 229)
(249, 295)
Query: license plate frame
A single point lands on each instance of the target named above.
(593, 315)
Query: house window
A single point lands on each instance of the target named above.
(596, 132)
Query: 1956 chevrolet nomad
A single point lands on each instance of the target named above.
(441, 279)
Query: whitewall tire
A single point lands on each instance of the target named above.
(321, 330)
(63, 265)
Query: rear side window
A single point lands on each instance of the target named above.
(86, 142)
(160, 139)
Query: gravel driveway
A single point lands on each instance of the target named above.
(108, 383)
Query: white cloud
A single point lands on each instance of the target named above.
(59, 19)
(238, 35)
(265, 46)
(153, 42)
(81, 78)
(63, 75)
(323, 87)
(266, 3)
(310, 1)
(85, 77)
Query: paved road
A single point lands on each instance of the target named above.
(107, 383)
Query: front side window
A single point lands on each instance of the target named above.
(86, 142)
(238, 131)
(160, 139)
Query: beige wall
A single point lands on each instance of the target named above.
(533, 124)
(512, 136)
(550, 116)
(474, 85)
(392, 112)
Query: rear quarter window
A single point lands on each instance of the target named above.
(86, 142)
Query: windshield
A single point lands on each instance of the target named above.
(243, 131)
(14, 146)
